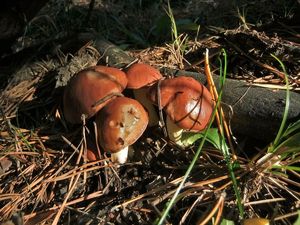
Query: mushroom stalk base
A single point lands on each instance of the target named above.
(120, 156)
(174, 132)
(140, 95)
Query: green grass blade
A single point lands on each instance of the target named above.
(272, 148)
(221, 144)
(226, 222)
(291, 142)
(188, 138)
(174, 32)
(281, 167)
(230, 165)
(292, 128)
(187, 173)
(297, 222)
(170, 204)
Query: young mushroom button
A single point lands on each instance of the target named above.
(140, 77)
(187, 103)
(87, 92)
(256, 221)
(120, 123)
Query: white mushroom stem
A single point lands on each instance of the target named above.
(120, 156)
(174, 132)
(140, 95)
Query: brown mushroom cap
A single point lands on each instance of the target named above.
(115, 73)
(140, 75)
(256, 221)
(91, 147)
(188, 103)
(83, 91)
(120, 123)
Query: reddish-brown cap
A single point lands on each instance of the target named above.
(120, 123)
(91, 147)
(140, 75)
(187, 102)
(115, 73)
(82, 93)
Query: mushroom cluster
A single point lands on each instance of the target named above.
(96, 92)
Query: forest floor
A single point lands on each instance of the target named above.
(44, 176)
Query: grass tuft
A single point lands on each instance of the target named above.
(280, 133)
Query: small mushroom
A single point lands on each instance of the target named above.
(91, 147)
(187, 103)
(5, 164)
(256, 221)
(140, 77)
(120, 123)
(87, 92)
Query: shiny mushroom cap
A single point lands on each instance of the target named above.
(91, 147)
(120, 123)
(115, 73)
(83, 92)
(140, 75)
(256, 221)
(187, 102)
